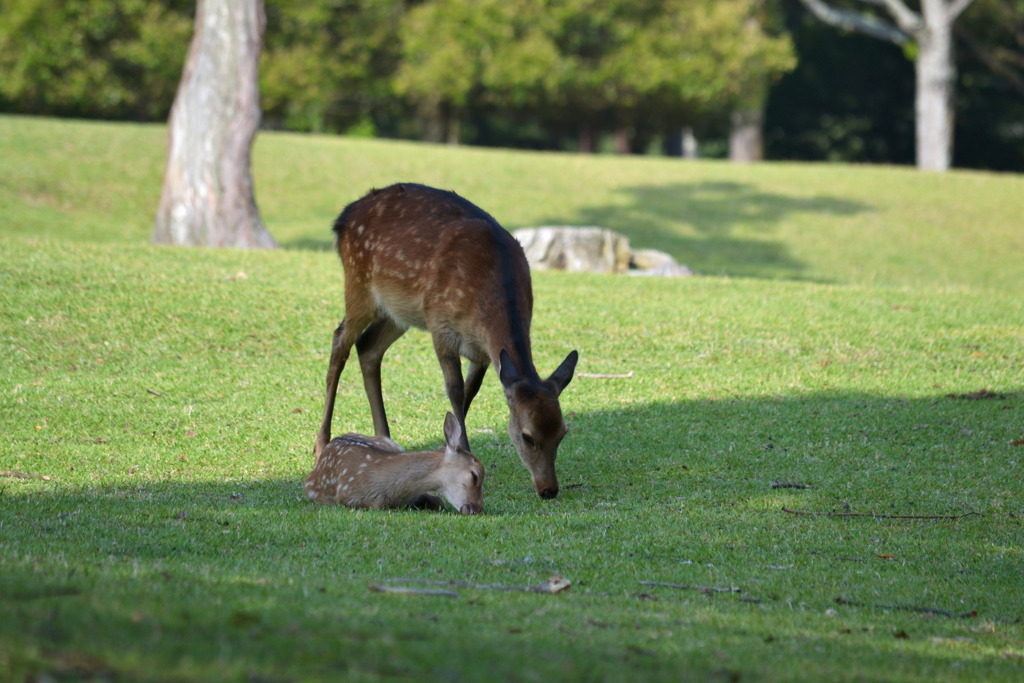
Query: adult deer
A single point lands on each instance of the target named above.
(415, 256)
(366, 472)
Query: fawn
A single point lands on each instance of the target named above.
(415, 256)
(374, 472)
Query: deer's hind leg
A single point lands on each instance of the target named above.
(345, 336)
(371, 346)
(339, 354)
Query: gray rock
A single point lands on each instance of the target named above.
(575, 249)
(593, 250)
(654, 262)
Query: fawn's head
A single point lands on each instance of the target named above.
(462, 473)
(535, 422)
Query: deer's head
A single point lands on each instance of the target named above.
(535, 422)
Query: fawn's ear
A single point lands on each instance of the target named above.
(508, 373)
(563, 375)
(452, 433)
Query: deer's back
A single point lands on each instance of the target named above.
(427, 255)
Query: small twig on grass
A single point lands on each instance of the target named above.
(598, 375)
(153, 391)
(876, 514)
(406, 590)
(908, 608)
(789, 485)
(702, 589)
(23, 475)
(555, 584)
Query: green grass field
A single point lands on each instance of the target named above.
(858, 330)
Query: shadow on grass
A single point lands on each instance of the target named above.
(850, 448)
(715, 212)
(225, 574)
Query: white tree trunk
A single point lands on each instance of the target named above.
(935, 70)
(691, 146)
(207, 197)
(746, 135)
(935, 66)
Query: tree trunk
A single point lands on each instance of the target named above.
(691, 146)
(746, 135)
(450, 114)
(587, 139)
(935, 67)
(621, 138)
(207, 197)
(935, 71)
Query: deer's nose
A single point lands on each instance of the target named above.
(471, 509)
(548, 493)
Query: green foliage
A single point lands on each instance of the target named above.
(991, 85)
(172, 395)
(604, 63)
(850, 97)
(92, 57)
(327, 66)
(535, 73)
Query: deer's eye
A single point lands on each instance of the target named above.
(529, 440)
(475, 478)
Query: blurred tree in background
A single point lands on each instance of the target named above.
(638, 68)
(328, 66)
(92, 58)
(851, 97)
(603, 75)
(990, 116)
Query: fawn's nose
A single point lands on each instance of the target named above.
(548, 493)
(471, 509)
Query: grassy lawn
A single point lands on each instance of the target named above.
(858, 331)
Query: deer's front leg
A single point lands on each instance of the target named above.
(474, 378)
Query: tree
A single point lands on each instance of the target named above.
(92, 58)
(995, 36)
(763, 20)
(207, 197)
(327, 66)
(635, 67)
(928, 35)
(990, 102)
(834, 106)
(445, 47)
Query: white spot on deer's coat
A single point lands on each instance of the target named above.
(344, 472)
(359, 230)
(350, 480)
(369, 457)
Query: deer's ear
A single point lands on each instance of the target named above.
(508, 373)
(452, 432)
(561, 377)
